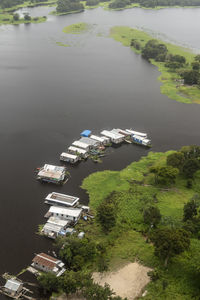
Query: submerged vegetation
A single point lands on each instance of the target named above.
(76, 28)
(179, 67)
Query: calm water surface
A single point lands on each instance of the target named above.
(49, 94)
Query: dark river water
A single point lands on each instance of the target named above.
(49, 94)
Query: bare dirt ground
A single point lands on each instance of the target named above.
(129, 281)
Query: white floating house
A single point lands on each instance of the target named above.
(141, 134)
(70, 158)
(50, 173)
(141, 141)
(58, 222)
(79, 152)
(121, 131)
(71, 214)
(114, 137)
(47, 263)
(90, 142)
(81, 145)
(61, 199)
(55, 227)
(13, 288)
(101, 139)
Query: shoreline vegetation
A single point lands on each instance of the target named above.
(77, 28)
(173, 82)
(147, 214)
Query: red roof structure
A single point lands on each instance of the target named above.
(45, 260)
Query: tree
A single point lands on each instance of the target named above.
(175, 160)
(135, 44)
(119, 3)
(197, 57)
(164, 175)
(48, 282)
(190, 167)
(106, 216)
(152, 216)
(190, 76)
(190, 210)
(27, 17)
(196, 65)
(16, 17)
(153, 48)
(170, 242)
(69, 5)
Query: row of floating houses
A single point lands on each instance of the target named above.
(65, 211)
(89, 145)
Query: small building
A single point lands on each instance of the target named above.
(64, 213)
(90, 142)
(132, 132)
(56, 221)
(141, 141)
(79, 152)
(61, 199)
(114, 137)
(121, 131)
(101, 139)
(70, 158)
(81, 145)
(47, 263)
(53, 174)
(13, 287)
(86, 133)
(51, 230)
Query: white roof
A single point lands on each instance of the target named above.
(72, 212)
(120, 131)
(80, 144)
(75, 149)
(52, 171)
(13, 285)
(98, 138)
(52, 227)
(138, 137)
(136, 132)
(62, 199)
(112, 135)
(89, 141)
(57, 221)
(68, 155)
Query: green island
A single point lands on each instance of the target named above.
(76, 28)
(147, 213)
(179, 67)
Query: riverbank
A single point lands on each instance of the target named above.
(7, 19)
(133, 189)
(170, 80)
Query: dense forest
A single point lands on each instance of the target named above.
(153, 3)
(69, 5)
(11, 3)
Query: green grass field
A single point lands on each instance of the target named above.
(170, 87)
(135, 190)
(76, 28)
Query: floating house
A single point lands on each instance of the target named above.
(81, 145)
(141, 141)
(114, 137)
(86, 133)
(141, 134)
(53, 174)
(90, 142)
(64, 213)
(121, 131)
(47, 263)
(103, 140)
(79, 152)
(55, 227)
(70, 158)
(13, 288)
(61, 199)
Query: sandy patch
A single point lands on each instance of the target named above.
(128, 281)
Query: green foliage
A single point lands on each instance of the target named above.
(92, 2)
(72, 281)
(97, 292)
(153, 49)
(106, 215)
(119, 4)
(10, 3)
(64, 6)
(77, 252)
(16, 17)
(190, 210)
(27, 17)
(175, 160)
(190, 167)
(152, 216)
(48, 282)
(165, 175)
(190, 76)
(135, 44)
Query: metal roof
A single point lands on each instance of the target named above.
(13, 285)
(136, 132)
(72, 212)
(62, 198)
(52, 227)
(80, 144)
(68, 155)
(57, 221)
(89, 141)
(112, 134)
(51, 171)
(78, 150)
(46, 260)
(86, 133)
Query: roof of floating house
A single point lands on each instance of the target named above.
(52, 227)
(57, 221)
(100, 139)
(86, 133)
(51, 171)
(78, 150)
(112, 135)
(46, 260)
(80, 144)
(62, 199)
(121, 131)
(72, 212)
(136, 132)
(68, 155)
(89, 141)
(12, 285)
